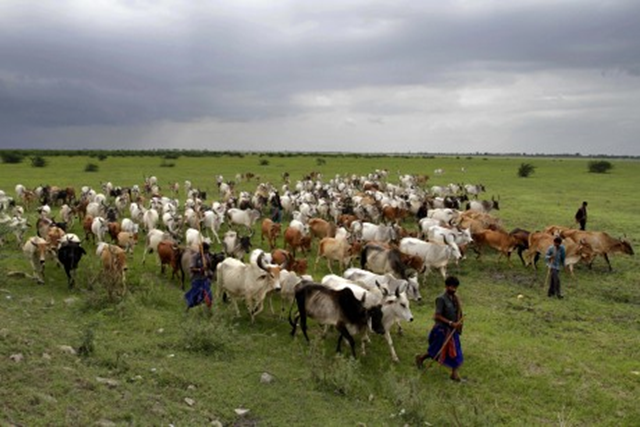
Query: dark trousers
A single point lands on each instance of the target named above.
(583, 224)
(554, 283)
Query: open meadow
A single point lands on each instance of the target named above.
(74, 357)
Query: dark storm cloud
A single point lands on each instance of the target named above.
(133, 64)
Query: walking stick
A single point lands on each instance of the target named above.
(446, 341)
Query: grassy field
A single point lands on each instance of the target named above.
(529, 361)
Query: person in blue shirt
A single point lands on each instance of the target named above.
(555, 261)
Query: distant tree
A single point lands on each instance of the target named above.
(38, 162)
(599, 166)
(91, 167)
(11, 157)
(320, 161)
(264, 162)
(525, 170)
(102, 156)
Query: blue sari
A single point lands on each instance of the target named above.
(200, 292)
(451, 355)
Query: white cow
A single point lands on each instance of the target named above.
(246, 217)
(154, 237)
(150, 219)
(434, 255)
(247, 281)
(446, 215)
(212, 221)
(378, 232)
(395, 306)
(99, 227)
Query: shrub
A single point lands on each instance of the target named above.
(11, 157)
(166, 164)
(264, 162)
(102, 156)
(38, 162)
(599, 166)
(91, 167)
(320, 161)
(525, 170)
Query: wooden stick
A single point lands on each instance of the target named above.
(446, 341)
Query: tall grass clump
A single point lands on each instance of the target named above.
(339, 375)
(91, 167)
(525, 170)
(207, 333)
(599, 166)
(38, 162)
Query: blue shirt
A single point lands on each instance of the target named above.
(555, 258)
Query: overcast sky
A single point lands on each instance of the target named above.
(454, 76)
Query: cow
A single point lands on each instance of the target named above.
(382, 260)
(246, 217)
(99, 228)
(154, 237)
(522, 241)
(445, 215)
(484, 206)
(601, 243)
(321, 228)
(270, 230)
(286, 260)
(35, 249)
(212, 220)
(250, 282)
(434, 255)
(394, 214)
(334, 249)
(379, 233)
(69, 254)
(499, 240)
(539, 243)
(339, 308)
(127, 241)
(114, 265)
(113, 228)
(236, 246)
(169, 253)
(294, 239)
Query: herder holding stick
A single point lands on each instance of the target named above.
(444, 338)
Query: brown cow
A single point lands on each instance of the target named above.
(294, 239)
(114, 230)
(271, 230)
(127, 240)
(86, 226)
(331, 249)
(539, 243)
(286, 260)
(393, 214)
(114, 265)
(601, 243)
(321, 228)
(496, 239)
(169, 253)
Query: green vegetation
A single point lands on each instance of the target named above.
(600, 166)
(525, 169)
(38, 162)
(11, 157)
(91, 167)
(141, 360)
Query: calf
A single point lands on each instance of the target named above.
(334, 249)
(339, 308)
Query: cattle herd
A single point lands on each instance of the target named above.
(379, 240)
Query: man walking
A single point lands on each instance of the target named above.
(581, 216)
(555, 261)
(444, 338)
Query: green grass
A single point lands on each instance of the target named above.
(529, 360)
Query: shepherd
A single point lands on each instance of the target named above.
(201, 275)
(444, 338)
